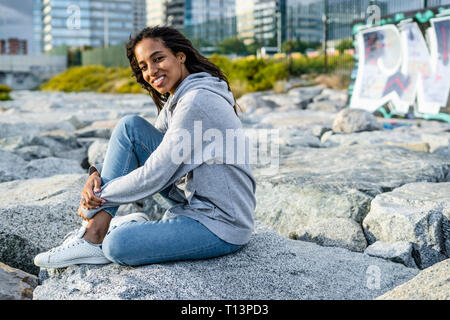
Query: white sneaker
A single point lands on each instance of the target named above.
(74, 250)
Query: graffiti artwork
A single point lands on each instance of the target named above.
(398, 66)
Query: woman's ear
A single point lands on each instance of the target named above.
(181, 57)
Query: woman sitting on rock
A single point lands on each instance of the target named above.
(212, 196)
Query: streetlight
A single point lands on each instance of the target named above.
(325, 35)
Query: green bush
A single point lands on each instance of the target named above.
(266, 77)
(244, 75)
(4, 92)
(94, 78)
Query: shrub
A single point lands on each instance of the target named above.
(244, 74)
(266, 77)
(4, 92)
(94, 78)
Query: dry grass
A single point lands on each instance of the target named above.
(337, 80)
(280, 86)
(239, 88)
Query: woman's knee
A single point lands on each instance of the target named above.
(114, 246)
(128, 122)
(132, 124)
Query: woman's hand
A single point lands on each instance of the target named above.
(89, 200)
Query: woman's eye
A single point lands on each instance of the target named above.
(157, 59)
(143, 68)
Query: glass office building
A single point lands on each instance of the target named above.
(202, 21)
(156, 12)
(86, 22)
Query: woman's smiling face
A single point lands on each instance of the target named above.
(160, 68)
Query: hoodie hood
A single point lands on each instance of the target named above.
(200, 80)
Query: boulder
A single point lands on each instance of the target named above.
(432, 283)
(10, 166)
(97, 151)
(14, 167)
(250, 102)
(302, 120)
(305, 94)
(443, 152)
(268, 267)
(11, 129)
(400, 251)
(34, 216)
(313, 184)
(355, 120)
(333, 232)
(387, 137)
(327, 105)
(47, 167)
(436, 140)
(58, 142)
(415, 146)
(93, 132)
(33, 152)
(416, 212)
(16, 284)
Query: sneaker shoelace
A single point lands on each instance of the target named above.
(67, 244)
(71, 238)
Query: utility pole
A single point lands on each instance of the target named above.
(325, 35)
(105, 25)
(279, 31)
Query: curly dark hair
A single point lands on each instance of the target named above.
(176, 42)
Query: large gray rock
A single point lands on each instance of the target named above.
(56, 143)
(33, 152)
(432, 283)
(437, 140)
(314, 184)
(268, 267)
(97, 151)
(416, 212)
(327, 105)
(400, 251)
(10, 166)
(14, 167)
(334, 139)
(355, 120)
(305, 94)
(333, 232)
(8, 129)
(16, 284)
(47, 167)
(251, 101)
(93, 132)
(35, 215)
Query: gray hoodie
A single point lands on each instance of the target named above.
(209, 172)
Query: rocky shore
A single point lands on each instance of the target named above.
(358, 207)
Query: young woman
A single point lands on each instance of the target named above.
(190, 156)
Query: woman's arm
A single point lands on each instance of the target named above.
(172, 159)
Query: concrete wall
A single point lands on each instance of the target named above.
(29, 71)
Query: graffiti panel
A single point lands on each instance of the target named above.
(397, 65)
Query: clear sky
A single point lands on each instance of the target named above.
(16, 20)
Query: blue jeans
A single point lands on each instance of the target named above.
(137, 243)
